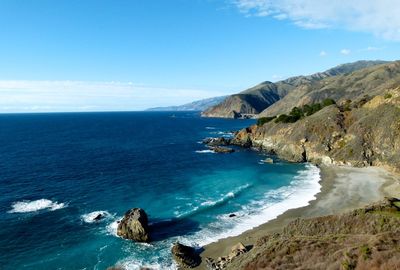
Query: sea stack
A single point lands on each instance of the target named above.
(134, 226)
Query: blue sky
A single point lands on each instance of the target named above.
(72, 55)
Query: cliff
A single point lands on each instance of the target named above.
(359, 133)
(255, 100)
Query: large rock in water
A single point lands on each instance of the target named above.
(134, 226)
(185, 256)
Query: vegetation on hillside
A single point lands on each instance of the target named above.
(297, 113)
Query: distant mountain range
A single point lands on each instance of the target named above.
(281, 96)
(199, 105)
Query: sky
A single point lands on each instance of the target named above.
(125, 55)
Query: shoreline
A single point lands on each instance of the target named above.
(343, 188)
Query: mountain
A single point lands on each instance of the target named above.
(199, 105)
(370, 81)
(255, 100)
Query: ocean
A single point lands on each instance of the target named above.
(58, 171)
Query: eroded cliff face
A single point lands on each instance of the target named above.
(362, 134)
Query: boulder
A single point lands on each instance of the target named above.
(134, 226)
(185, 256)
(232, 215)
(268, 160)
(98, 217)
(221, 262)
(237, 250)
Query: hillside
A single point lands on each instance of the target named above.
(368, 81)
(366, 238)
(358, 133)
(256, 99)
(199, 105)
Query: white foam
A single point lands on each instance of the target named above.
(299, 193)
(90, 217)
(210, 203)
(210, 127)
(33, 206)
(112, 227)
(205, 151)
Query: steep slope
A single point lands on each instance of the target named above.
(367, 81)
(199, 105)
(366, 238)
(360, 133)
(256, 99)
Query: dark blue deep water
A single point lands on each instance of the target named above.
(57, 171)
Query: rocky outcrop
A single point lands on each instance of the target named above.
(134, 226)
(185, 256)
(217, 141)
(222, 150)
(357, 134)
(366, 238)
(222, 262)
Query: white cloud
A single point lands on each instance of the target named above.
(322, 53)
(378, 17)
(46, 96)
(345, 51)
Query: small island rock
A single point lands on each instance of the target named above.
(134, 226)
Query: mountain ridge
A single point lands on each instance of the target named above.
(256, 99)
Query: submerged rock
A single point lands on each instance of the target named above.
(134, 226)
(185, 256)
(232, 215)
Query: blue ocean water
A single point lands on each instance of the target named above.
(57, 171)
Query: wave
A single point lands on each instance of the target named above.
(91, 217)
(299, 193)
(33, 206)
(206, 205)
(210, 127)
(205, 151)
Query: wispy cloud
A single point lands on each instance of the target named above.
(345, 51)
(323, 53)
(378, 17)
(46, 96)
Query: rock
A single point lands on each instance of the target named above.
(98, 217)
(134, 226)
(237, 250)
(223, 150)
(222, 262)
(185, 256)
(268, 160)
(217, 141)
(232, 215)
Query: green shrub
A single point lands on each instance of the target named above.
(299, 113)
(328, 102)
(387, 95)
(262, 120)
(365, 251)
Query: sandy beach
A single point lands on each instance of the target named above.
(342, 189)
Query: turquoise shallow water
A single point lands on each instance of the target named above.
(57, 171)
